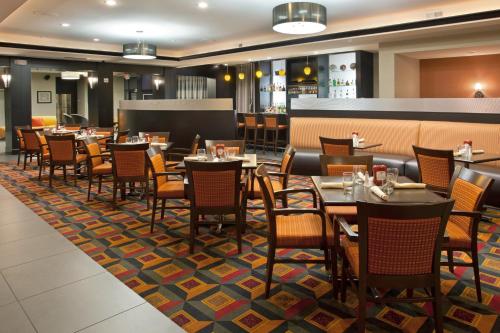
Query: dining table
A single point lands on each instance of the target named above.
(476, 158)
(249, 160)
(362, 193)
(367, 145)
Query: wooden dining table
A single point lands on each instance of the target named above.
(337, 197)
(249, 161)
(476, 159)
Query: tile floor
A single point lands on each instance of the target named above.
(48, 285)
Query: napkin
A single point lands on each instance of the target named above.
(409, 185)
(332, 185)
(379, 193)
(191, 158)
(239, 158)
(361, 140)
(478, 151)
(158, 144)
(361, 175)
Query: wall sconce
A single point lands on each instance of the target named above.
(6, 78)
(157, 81)
(92, 81)
(478, 87)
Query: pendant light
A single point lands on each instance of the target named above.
(241, 75)
(227, 77)
(258, 73)
(307, 69)
(6, 78)
(139, 50)
(299, 18)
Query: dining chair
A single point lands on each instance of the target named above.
(292, 228)
(251, 124)
(121, 136)
(236, 146)
(97, 163)
(63, 153)
(174, 155)
(216, 188)
(336, 147)
(398, 246)
(163, 187)
(130, 166)
(107, 133)
(44, 156)
(163, 137)
(31, 145)
(272, 125)
(279, 179)
(20, 141)
(469, 189)
(435, 168)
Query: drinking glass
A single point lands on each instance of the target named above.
(141, 135)
(347, 181)
(128, 140)
(357, 169)
(230, 154)
(155, 139)
(394, 172)
(200, 153)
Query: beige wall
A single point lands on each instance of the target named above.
(407, 77)
(38, 83)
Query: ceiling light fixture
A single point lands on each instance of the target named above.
(307, 69)
(157, 81)
(97, 40)
(299, 18)
(227, 77)
(258, 73)
(110, 3)
(68, 75)
(92, 81)
(139, 50)
(241, 75)
(202, 5)
(65, 25)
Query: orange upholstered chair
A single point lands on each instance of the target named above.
(107, 132)
(96, 163)
(20, 141)
(235, 146)
(216, 188)
(163, 187)
(336, 147)
(121, 136)
(130, 166)
(178, 154)
(398, 247)
(435, 168)
(272, 125)
(251, 124)
(31, 145)
(63, 153)
(469, 190)
(44, 156)
(279, 178)
(292, 228)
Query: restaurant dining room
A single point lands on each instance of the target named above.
(249, 166)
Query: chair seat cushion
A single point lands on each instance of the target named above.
(256, 187)
(80, 158)
(351, 251)
(103, 169)
(349, 212)
(173, 189)
(301, 231)
(458, 238)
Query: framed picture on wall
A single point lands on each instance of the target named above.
(44, 97)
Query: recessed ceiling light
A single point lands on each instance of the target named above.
(65, 25)
(269, 58)
(110, 3)
(202, 5)
(250, 59)
(97, 40)
(316, 52)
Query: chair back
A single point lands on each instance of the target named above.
(336, 147)
(129, 161)
(62, 148)
(336, 165)
(107, 132)
(469, 189)
(271, 121)
(92, 148)
(122, 136)
(250, 120)
(236, 146)
(268, 197)
(400, 239)
(286, 164)
(435, 167)
(19, 135)
(195, 144)
(30, 139)
(163, 137)
(214, 187)
(42, 141)
(157, 164)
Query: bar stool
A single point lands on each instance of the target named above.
(271, 124)
(251, 124)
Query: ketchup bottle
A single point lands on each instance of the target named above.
(379, 174)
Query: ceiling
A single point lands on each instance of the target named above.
(180, 28)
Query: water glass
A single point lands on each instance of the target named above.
(141, 135)
(347, 182)
(128, 140)
(394, 172)
(356, 170)
(200, 153)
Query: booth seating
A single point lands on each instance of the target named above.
(397, 138)
(43, 121)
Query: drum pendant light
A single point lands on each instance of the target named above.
(299, 18)
(139, 50)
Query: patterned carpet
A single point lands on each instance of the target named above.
(216, 290)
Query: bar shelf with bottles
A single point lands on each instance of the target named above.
(303, 89)
(350, 75)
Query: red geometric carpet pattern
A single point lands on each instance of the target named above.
(217, 290)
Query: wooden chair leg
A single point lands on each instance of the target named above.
(477, 279)
(115, 190)
(343, 283)
(153, 215)
(192, 228)
(238, 232)
(90, 186)
(25, 159)
(40, 171)
(51, 175)
(75, 174)
(64, 173)
(437, 307)
(271, 253)
(162, 208)
(265, 142)
(361, 309)
(18, 157)
(449, 253)
(99, 186)
(276, 141)
(147, 194)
